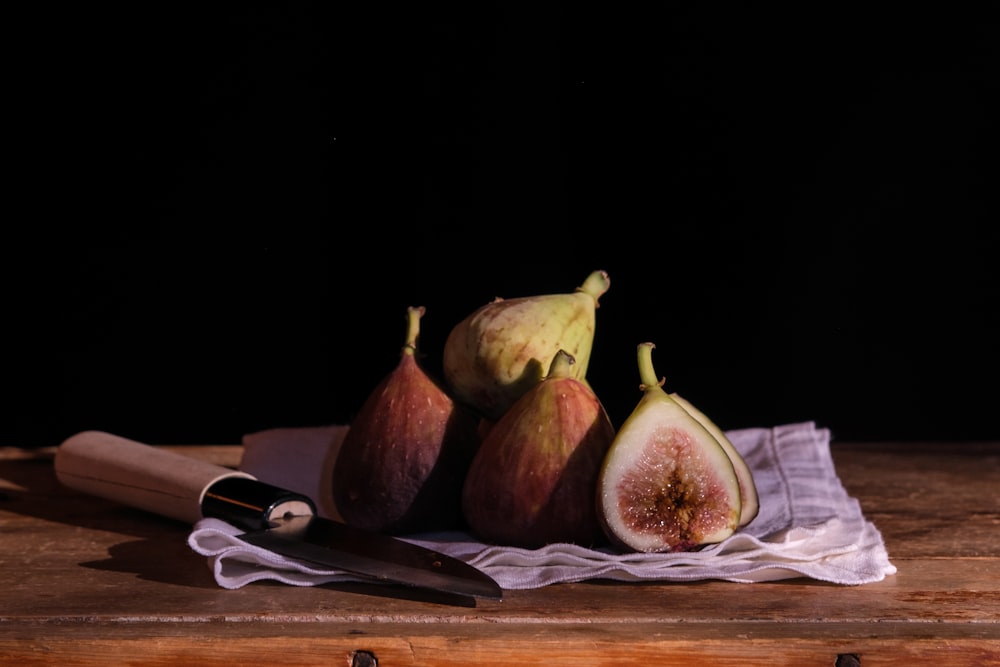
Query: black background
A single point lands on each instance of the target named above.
(223, 210)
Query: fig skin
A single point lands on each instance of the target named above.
(504, 348)
(532, 481)
(403, 460)
(666, 483)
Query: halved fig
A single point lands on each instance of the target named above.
(666, 484)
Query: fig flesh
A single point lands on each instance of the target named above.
(532, 481)
(749, 500)
(504, 348)
(404, 457)
(666, 484)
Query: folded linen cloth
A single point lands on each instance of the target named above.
(808, 526)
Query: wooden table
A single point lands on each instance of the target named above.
(89, 582)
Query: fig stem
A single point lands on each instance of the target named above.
(560, 366)
(413, 315)
(596, 284)
(647, 375)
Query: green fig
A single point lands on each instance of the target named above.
(750, 501)
(666, 484)
(532, 481)
(403, 460)
(504, 348)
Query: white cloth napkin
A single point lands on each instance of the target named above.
(807, 526)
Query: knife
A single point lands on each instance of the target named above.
(282, 521)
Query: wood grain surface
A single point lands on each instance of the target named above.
(89, 582)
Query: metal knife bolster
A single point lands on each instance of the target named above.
(251, 504)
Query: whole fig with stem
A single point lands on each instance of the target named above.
(403, 460)
(532, 481)
(504, 348)
(666, 483)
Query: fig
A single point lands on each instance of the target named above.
(749, 499)
(403, 460)
(666, 484)
(504, 348)
(532, 480)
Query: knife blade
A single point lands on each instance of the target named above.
(282, 521)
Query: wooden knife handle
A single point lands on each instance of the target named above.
(142, 476)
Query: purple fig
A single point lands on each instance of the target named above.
(532, 481)
(403, 460)
(666, 483)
